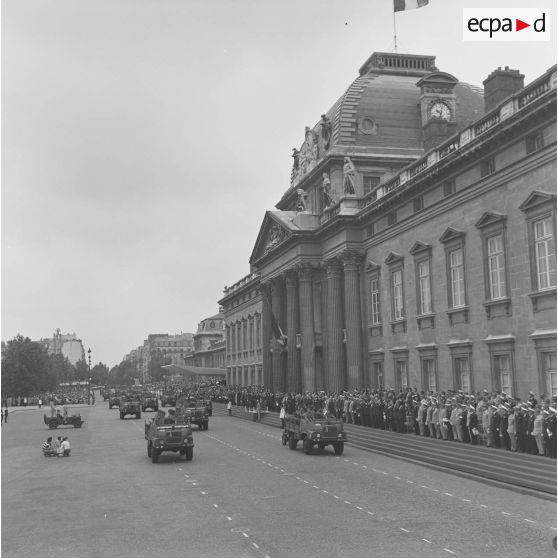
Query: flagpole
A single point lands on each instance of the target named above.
(394, 33)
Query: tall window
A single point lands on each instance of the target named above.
(487, 167)
(549, 370)
(496, 269)
(457, 278)
(375, 300)
(545, 254)
(462, 373)
(534, 142)
(503, 373)
(401, 373)
(429, 374)
(397, 294)
(425, 299)
(258, 331)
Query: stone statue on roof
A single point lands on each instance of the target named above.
(349, 177)
(329, 194)
(325, 123)
(302, 201)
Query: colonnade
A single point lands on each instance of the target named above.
(319, 309)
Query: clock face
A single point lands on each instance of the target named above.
(440, 110)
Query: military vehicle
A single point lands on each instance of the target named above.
(114, 399)
(130, 405)
(195, 411)
(172, 433)
(149, 401)
(169, 399)
(314, 430)
(74, 420)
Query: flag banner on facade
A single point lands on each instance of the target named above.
(401, 5)
(277, 332)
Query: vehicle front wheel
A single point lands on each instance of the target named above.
(292, 441)
(338, 448)
(307, 445)
(284, 438)
(189, 453)
(138, 415)
(77, 424)
(53, 424)
(154, 455)
(148, 449)
(121, 416)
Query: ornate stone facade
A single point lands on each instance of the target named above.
(439, 271)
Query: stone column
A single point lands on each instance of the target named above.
(336, 376)
(351, 266)
(277, 309)
(294, 383)
(307, 351)
(267, 364)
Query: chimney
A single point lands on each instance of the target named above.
(499, 85)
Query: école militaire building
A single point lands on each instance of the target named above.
(416, 244)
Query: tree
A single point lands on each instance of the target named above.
(26, 367)
(123, 374)
(99, 374)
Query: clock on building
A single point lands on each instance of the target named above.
(440, 110)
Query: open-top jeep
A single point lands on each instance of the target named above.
(195, 411)
(74, 420)
(114, 399)
(314, 429)
(171, 433)
(130, 405)
(149, 401)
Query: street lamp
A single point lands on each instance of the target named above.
(89, 376)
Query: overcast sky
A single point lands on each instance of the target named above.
(143, 141)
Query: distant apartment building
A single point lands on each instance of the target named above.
(169, 349)
(65, 344)
(209, 344)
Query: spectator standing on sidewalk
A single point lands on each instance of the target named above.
(229, 407)
(6, 414)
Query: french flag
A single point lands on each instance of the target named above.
(401, 5)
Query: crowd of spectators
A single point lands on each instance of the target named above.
(62, 396)
(495, 420)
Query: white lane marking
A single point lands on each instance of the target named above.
(245, 535)
(215, 506)
(465, 500)
(448, 550)
(426, 541)
(364, 467)
(204, 493)
(405, 530)
(369, 513)
(506, 513)
(529, 520)
(448, 494)
(423, 486)
(359, 508)
(229, 518)
(255, 545)
(314, 486)
(347, 502)
(483, 506)
(398, 478)
(325, 491)
(411, 482)
(336, 497)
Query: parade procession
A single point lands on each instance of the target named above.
(279, 279)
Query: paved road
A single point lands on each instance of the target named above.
(518, 471)
(246, 495)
